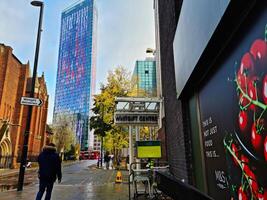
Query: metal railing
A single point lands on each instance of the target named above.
(30, 158)
(6, 161)
(145, 172)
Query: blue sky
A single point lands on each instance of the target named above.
(125, 30)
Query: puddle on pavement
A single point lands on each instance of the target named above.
(9, 187)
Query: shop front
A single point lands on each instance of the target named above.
(227, 105)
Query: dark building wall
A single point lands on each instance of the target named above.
(173, 120)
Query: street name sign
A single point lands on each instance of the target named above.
(28, 101)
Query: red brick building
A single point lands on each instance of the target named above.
(15, 82)
(38, 120)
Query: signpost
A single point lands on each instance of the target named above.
(29, 116)
(28, 101)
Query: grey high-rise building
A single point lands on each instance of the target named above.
(76, 69)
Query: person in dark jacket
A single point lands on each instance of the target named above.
(106, 160)
(49, 171)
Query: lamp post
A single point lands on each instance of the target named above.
(102, 137)
(28, 123)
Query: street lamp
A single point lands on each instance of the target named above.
(28, 123)
(150, 50)
(37, 3)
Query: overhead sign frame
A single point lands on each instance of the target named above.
(137, 111)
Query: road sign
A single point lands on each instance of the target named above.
(31, 101)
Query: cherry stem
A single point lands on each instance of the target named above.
(255, 102)
(260, 116)
(240, 165)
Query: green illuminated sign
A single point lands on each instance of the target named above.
(148, 149)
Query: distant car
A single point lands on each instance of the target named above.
(72, 157)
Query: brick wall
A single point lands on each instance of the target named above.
(174, 123)
(13, 75)
(3, 61)
(37, 137)
(15, 83)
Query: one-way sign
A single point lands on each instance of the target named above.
(31, 101)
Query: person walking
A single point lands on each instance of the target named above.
(49, 170)
(106, 160)
(127, 162)
(111, 158)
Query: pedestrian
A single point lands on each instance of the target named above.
(106, 160)
(119, 160)
(111, 158)
(127, 162)
(49, 170)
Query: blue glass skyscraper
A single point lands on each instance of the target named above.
(76, 69)
(144, 77)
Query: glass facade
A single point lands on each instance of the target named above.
(76, 68)
(144, 76)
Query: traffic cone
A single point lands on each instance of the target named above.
(118, 177)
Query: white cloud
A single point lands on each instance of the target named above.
(125, 30)
(18, 26)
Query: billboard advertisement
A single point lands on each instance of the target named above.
(233, 112)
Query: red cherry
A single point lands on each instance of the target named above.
(265, 148)
(243, 100)
(235, 150)
(252, 181)
(245, 163)
(242, 80)
(252, 88)
(259, 49)
(242, 120)
(264, 89)
(241, 194)
(262, 196)
(247, 65)
(256, 137)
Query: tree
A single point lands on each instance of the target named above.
(116, 139)
(73, 153)
(63, 136)
(118, 85)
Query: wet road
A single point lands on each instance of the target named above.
(77, 173)
(80, 181)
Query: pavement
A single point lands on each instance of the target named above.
(11, 172)
(81, 180)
